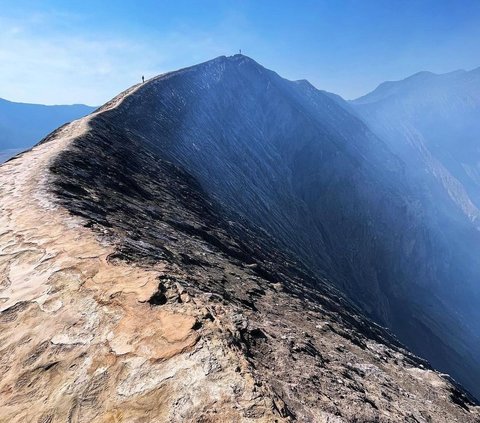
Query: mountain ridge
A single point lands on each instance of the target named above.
(425, 76)
(234, 322)
(216, 67)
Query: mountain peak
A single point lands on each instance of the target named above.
(243, 60)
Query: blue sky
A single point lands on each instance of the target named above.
(57, 51)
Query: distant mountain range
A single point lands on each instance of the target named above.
(432, 121)
(22, 124)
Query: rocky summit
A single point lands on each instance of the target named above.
(220, 244)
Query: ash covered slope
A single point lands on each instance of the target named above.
(129, 293)
(432, 121)
(289, 159)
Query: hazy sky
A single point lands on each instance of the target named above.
(58, 51)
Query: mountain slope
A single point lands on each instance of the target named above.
(432, 122)
(135, 289)
(289, 159)
(22, 125)
(435, 118)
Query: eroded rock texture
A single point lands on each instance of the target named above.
(134, 291)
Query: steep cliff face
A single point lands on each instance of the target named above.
(173, 257)
(282, 155)
(432, 123)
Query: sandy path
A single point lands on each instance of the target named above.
(33, 230)
(78, 342)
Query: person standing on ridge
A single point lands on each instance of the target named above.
(143, 79)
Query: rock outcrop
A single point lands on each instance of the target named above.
(138, 286)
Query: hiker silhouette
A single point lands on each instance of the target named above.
(143, 79)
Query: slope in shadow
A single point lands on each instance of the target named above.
(271, 174)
